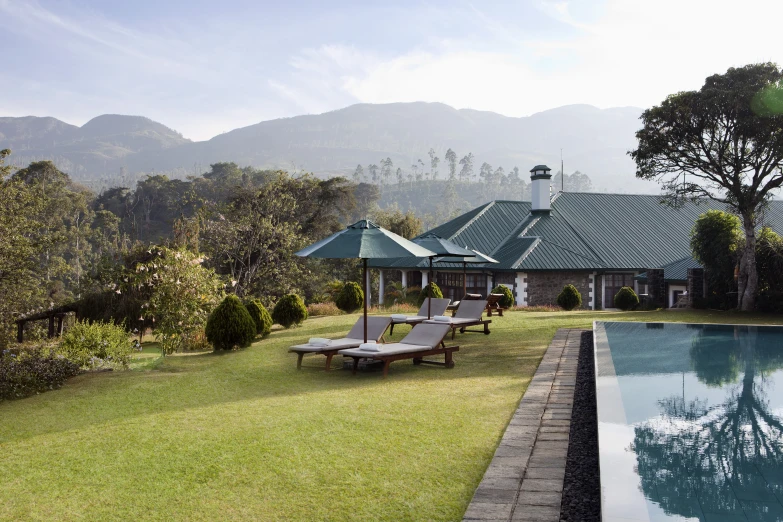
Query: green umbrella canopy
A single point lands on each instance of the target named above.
(442, 247)
(365, 240)
(476, 258)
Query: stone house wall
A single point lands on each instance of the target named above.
(544, 287)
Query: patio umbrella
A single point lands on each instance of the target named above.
(364, 240)
(477, 258)
(442, 248)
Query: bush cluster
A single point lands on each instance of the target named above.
(261, 317)
(569, 298)
(350, 298)
(431, 290)
(96, 345)
(321, 309)
(33, 371)
(230, 325)
(289, 310)
(626, 299)
(508, 297)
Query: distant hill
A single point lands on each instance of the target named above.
(593, 140)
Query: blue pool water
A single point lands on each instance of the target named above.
(690, 422)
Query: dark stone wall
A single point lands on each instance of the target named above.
(696, 287)
(544, 287)
(656, 287)
(599, 282)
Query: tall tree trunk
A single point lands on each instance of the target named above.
(748, 275)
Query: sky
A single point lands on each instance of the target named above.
(205, 67)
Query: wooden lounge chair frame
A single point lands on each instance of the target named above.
(356, 335)
(471, 310)
(439, 306)
(493, 304)
(417, 356)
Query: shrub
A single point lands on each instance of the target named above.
(626, 299)
(33, 371)
(260, 316)
(350, 298)
(289, 310)
(230, 325)
(569, 298)
(431, 290)
(508, 298)
(321, 309)
(96, 345)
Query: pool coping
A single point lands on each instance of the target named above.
(524, 481)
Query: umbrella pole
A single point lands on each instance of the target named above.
(366, 296)
(429, 294)
(464, 279)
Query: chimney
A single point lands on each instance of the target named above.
(540, 191)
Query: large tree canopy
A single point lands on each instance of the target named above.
(723, 142)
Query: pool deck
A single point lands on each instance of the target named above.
(524, 481)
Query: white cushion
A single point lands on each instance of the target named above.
(370, 347)
(399, 317)
(319, 341)
(442, 319)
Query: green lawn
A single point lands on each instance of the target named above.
(245, 435)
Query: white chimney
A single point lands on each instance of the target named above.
(540, 191)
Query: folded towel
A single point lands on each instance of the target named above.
(442, 318)
(319, 341)
(399, 317)
(370, 347)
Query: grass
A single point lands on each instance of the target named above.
(246, 436)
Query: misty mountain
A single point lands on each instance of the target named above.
(593, 140)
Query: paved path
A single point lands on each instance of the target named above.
(524, 481)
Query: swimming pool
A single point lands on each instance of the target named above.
(690, 421)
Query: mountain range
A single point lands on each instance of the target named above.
(112, 150)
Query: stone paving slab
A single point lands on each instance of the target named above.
(524, 481)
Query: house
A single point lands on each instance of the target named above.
(597, 242)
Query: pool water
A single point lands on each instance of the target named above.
(690, 421)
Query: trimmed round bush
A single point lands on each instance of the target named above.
(350, 298)
(626, 299)
(508, 300)
(230, 325)
(289, 310)
(260, 316)
(569, 298)
(431, 290)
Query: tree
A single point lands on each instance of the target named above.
(406, 225)
(434, 162)
(182, 295)
(400, 176)
(386, 168)
(723, 142)
(373, 170)
(715, 242)
(485, 172)
(451, 158)
(358, 174)
(466, 172)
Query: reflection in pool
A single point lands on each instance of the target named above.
(690, 421)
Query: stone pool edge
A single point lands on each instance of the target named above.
(524, 481)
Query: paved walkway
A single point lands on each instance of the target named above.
(524, 481)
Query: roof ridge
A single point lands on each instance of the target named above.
(515, 233)
(561, 247)
(472, 220)
(537, 241)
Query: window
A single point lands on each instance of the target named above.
(613, 284)
(450, 284)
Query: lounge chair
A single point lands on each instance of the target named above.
(493, 304)
(467, 297)
(376, 327)
(423, 340)
(438, 308)
(468, 314)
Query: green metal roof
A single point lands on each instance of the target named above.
(676, 272)
(583, 231)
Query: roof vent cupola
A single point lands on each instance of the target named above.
(540, 192)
